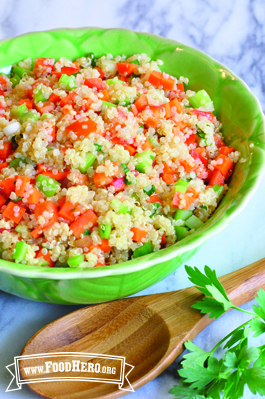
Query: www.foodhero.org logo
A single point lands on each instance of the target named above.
(70, 366)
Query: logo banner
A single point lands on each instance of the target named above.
(69, 366)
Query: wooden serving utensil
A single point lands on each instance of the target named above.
(149, 331)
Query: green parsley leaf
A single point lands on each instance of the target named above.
(87, 233)
(196, 356)
(257, 326)
(18, 199)
(98, 147)
(260, 311)
(149, 190)
(156, 206)
(185, 392)
(254, 377)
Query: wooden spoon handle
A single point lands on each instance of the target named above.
(243, 284)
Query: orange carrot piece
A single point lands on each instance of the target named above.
(180, 86)
(104, 246)
(168, 178)
(100, 179)
(68, 99)
(167, 108)
(134, 110)
(7, 186)
(105, 95)
(34, 197)
(159, 79)
(226, 167)
(100, 72)
(176, 200)
(176, 103)
(157, 111)
(154, 198)
(2, 200)
(141, 103)
(61, 202)
(82, 128)
(6, 151)
(50, 207)
(21, 182)
(82, 180)
(138, 234)
(46, 257)
(195, 193)
(14, 212)
(47, 172)
(167, 169)
(188, 201)
(153, 122)
(86, 221)
(67, 211)
(188, 168)
(125, 68)
(147, 145)
(69, 70)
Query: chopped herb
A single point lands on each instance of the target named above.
(14, 140)
(142, 126)
(125, 167)
(87, 233)
(135, 62)
(18, 198)
(73, 210)
(201, 133)
(99, 147)
(93, 60)
(49, 149)
(149, 190)
(204, 207)
(133, 76)
(156, 206)
(129, 109)
(187, 106)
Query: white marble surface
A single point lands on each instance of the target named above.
(233, 32)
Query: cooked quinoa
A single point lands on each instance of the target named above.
(103, 160)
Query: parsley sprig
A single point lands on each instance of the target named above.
(202, 374)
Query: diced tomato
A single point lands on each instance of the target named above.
(68, 99)
(188, 201)
(138, 234)
(86, 103)
(191, 139)
(134, 110)
(101, 180)
(180, 87)
(6, 151)
(226, 150)
(217, 178)
(207, 115)
(42, 169)
(67, 211)
(199, 153)
(3, 165)
(45, 108)
(104, 95)
(43, 66)
(226, 167)
(100, 72)
(161, 79)
(176, 200)
(2, 200)
(97, 83)
(69, 70)
(86, 221)
(168, 178)
(54, 98)
(7, 186)
(125, 68)
(29, 103)
(218, 142)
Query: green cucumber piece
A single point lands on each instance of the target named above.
(47, 185)
(75, 260)
(20, 251)
(145, 249)
(182, 214)
(194, 223)
(200, 99)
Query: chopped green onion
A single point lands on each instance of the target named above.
(181, 232)
(156, 206)
(67, 82)
(19, 71)
(87, 233)
(47, 185)
(75, 260)
(194, 223)
(17, 112)
(15, 163)
(181, 186)
(200, 99)
(20, 251)
(93, 59)
(182, 214)
(135, 62)
(149, 190)
(99, 147)
(87, 161)
(15, 80)
(107, 104)
(144, 160)
(145, 249)
(104, 230)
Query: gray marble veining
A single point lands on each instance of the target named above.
(233, 32)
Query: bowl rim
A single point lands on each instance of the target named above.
(27, 271)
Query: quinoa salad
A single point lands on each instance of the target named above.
(104, 160)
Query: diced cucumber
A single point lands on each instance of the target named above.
(29, 115)
(181, 232)
(20, 251)
(200, 99)
(144, 160)
(19, 71)
(47, 185)
(87, 161)
(145, 249)
(15, 80)
(46, 115)
(217, 188)
(75, 260)
(114, 81)
(38, 95)
(194, 223)
(67, 82)
(118, 207)
(182, 214)
(15, 163)
(181, 186)
(154, 142)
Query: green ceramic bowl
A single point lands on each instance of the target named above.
(243, 124)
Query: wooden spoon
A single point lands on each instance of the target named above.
(149, 331)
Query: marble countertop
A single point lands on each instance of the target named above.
(233, 32)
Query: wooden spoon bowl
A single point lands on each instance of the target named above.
(149, 331)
